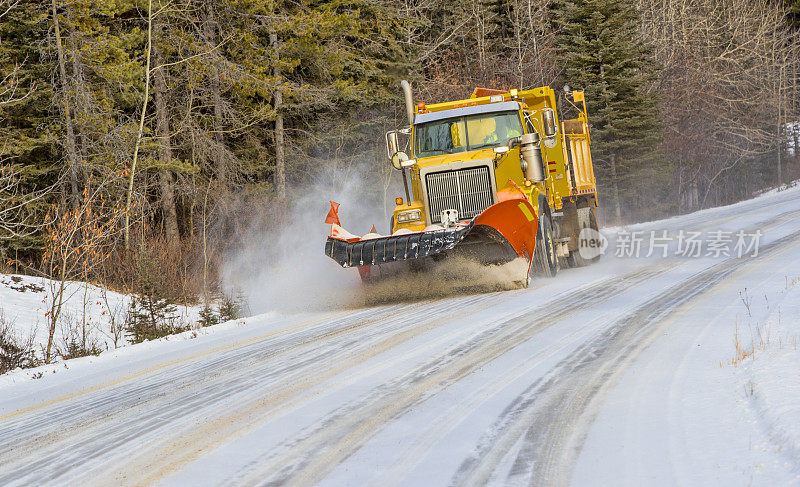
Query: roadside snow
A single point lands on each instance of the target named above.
(608, 373)
(25, 302)
(772, 377)
(776, 398)
(692, 410)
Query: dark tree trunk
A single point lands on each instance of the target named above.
(219, 159)
(66, 108)
(165, 177)
(615, 183)
(280, 158)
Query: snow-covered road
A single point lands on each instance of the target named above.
(621, 373)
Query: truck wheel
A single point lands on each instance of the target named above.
(575, 259)
(544, 256)
(594, 226)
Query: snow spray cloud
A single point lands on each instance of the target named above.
(455, 275)
(285, 269)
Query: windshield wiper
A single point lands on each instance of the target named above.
(475, 147)
(434, 152)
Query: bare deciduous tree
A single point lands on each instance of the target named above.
(76, 241)
(727, 72)
(16, 216)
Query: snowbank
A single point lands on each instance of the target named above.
(25, 302)
(771, 377)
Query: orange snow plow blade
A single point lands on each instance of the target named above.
(515, 219)
(501, 233)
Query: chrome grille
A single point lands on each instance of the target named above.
(467, 190)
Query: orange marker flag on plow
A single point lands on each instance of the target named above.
(333, 215)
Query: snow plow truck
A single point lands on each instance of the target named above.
(499, 176)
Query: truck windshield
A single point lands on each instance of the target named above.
(466, 133)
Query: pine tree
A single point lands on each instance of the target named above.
(207, 316)
(150, 314)
(228, 310)
(26, 112)
(602, 54)
(149, 318)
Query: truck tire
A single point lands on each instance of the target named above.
(594, 226)
(545, 262)
(575, 259)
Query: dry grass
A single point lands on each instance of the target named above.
(741, 351)
(761, 340)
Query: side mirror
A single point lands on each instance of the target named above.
(398, 159)
(498, 154)
(392, 145)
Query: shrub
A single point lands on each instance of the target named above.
(229, 309)
(73, 343)
(15, 353)
(151, 313)
(207, 316)
(150, 317)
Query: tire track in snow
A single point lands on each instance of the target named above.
(296, 373)
(430, 437)
(341, 435)
(49, 420)
(290, 393)
(233, 423)
(97, 437)
(9, 417)
(159, 386)
(295, 467)
(553, 417)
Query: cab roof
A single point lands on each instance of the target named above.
(504, 106)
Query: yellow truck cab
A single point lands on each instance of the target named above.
(456, 156)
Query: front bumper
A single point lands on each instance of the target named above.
(395, 248)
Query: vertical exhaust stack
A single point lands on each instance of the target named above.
(409, 101)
